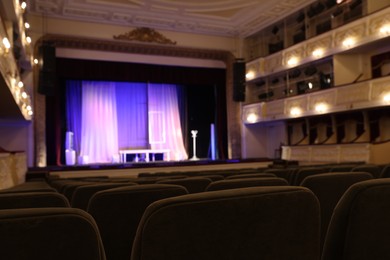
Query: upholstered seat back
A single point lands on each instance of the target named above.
(41, 199)
(329, 187)
(48, 234)
(360, 228)
(250, 223)
(245, 183)
(118, 211)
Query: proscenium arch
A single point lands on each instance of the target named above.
(59, 41)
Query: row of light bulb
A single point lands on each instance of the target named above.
(349, 42)
(17, 87)
(21, 96)
(296, 111)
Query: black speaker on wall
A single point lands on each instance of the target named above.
(47, 70)
(239, 81)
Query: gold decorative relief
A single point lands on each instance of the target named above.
(144, 34)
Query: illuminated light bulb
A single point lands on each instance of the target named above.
(252, 118)
(6, 43)
(36, 61)
(386, 98)
(30, 113)
(23, 5)
(348, 42)
(24, 95)
(321, 107)
(28, 39)
(318, 53)
(26, 25)
(339, 1)
(310, 85)
(20, 84)
(385, 29)
(28, 108)
(296, 111)
(13, 81)
(292, 61)
(250, 75)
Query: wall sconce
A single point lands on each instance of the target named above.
(252, 117)
(318, 53)
(321, 107)
(20, 84)
(292, 61)
(28, 39)
(385, 29)
(349, 42)
(6, 44)
(386, 97)
(250, 75)
(295, 111)
(26, 25)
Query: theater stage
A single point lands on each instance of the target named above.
(133, 169)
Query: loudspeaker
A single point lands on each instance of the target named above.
(239, 81)
(47, 70)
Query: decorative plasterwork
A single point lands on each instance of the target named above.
(328, 153)
(367, 94)
(359, 93)
(144, 34)
(214, 17)
(324, 97)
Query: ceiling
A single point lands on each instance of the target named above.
(230, 18)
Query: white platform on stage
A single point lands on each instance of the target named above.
(146, 152)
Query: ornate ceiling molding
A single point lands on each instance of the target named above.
(145, 34)
(134, 47)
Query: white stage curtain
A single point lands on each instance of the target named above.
(164, 120)
(99, 129)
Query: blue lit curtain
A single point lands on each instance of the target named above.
(108, 116)
(132, 112)
(73, 111)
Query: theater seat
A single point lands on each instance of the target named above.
(41, 199)
(329, 187)
(118, 211)
(192, 184)
(245, 183)
(360, 228)
(83, 194)
(302, 173)
(48, 234)
(251, 223)
(375, 170)
(250, 175)
(31, 186)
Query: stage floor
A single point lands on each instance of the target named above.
(133, 169)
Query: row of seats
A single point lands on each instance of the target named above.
(167, 218)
